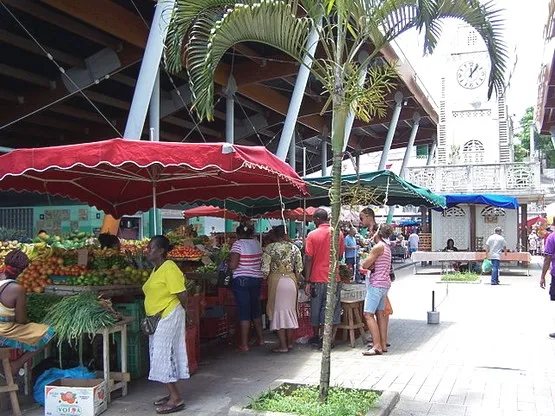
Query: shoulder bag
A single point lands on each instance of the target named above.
(149, 323)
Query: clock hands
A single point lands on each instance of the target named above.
(473, 70)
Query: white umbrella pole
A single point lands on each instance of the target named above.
(154, 219)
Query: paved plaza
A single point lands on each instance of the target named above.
(490, 355)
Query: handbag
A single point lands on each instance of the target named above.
(225, 275)
(149, 323)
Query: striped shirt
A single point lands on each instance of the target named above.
(379, 277)
(250, 258)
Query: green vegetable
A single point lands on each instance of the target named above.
(38, 305)
(208, 268)
(76, 315)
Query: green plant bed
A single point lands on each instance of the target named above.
(303, 401)
(461, 277)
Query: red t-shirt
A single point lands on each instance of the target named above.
(318, 247)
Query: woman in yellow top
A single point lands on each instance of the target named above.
(165, 294)
(15, 330)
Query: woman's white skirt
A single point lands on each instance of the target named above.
(168, 351)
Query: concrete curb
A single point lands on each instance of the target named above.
(383, 407)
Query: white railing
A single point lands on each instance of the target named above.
(485, 178)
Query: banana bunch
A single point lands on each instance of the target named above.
(38, 251)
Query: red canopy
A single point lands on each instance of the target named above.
(296, 214)
(118, 176)
(535, 220)
(210, 211)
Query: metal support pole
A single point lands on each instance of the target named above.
(416, 120)
(351, 116)
(392, 128)
(551, 131)
(431, 153)
(293, 154)
(412, 137)
(230, 90)
(149, 69)
(532, 143)
(298, 94)
(324, 153)
(154, 110)
(304, 161)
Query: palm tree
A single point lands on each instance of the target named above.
(202, 31)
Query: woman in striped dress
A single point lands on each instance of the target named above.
(378, 283)
(245, 260)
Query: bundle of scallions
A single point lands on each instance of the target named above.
(81, 314)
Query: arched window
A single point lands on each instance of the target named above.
(473, 152)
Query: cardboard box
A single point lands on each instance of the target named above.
(75, 397)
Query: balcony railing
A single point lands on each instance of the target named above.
(511, 178)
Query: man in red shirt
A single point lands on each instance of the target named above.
(317, 267)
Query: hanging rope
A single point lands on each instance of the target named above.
(282, 206)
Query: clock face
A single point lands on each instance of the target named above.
(471, 75)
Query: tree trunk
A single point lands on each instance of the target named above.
(339, 120)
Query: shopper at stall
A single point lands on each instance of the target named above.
(378, 283)
(351, 249)
(245, 260)
(317, 268)
(109, 241)
(495, 245)
(282, 264)
(15, 330)
(166, 296)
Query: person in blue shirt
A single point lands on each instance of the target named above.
(351, 249)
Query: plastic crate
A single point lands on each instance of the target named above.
(195, 309)
(192, 339)
(135, 310)
(214, 327)
(305, 325)
(138, 358)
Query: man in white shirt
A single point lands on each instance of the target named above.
(413, 242)
(495, 245)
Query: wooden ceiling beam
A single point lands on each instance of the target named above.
(251, 73)
(30, 46)
(38, 100)
(124, 79)
(44, 13)
(77, 113)
(10, 71)
(107, 16)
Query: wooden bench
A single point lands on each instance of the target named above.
(352, 321)
(10, 387)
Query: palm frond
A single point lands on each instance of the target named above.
(269, 22)
(184, 15)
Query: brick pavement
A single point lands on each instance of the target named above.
(490, 355)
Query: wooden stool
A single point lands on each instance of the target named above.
(351, 321)
(10, 387)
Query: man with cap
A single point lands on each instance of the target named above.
(495, 245)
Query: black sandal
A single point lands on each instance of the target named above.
(167, 409)
(162, 401)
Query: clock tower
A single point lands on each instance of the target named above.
(471, 129)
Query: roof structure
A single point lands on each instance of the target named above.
(100, 44)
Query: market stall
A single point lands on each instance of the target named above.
(122, 177)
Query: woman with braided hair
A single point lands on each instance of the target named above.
(15, 330)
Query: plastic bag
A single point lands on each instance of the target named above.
(487, 266)
(54, 374)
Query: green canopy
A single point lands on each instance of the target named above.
(379, 184)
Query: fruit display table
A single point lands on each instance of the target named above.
(115, 381)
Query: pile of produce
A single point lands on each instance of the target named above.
(207, 268)
(186, 253)
(101, 259)
(180, 234)
(106, 277)
(77, 315)
(133, 246)
(74, 240)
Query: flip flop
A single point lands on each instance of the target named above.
(164, 410)
(243, 348)
(371, 352)
(280, 351)
(162, 401)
